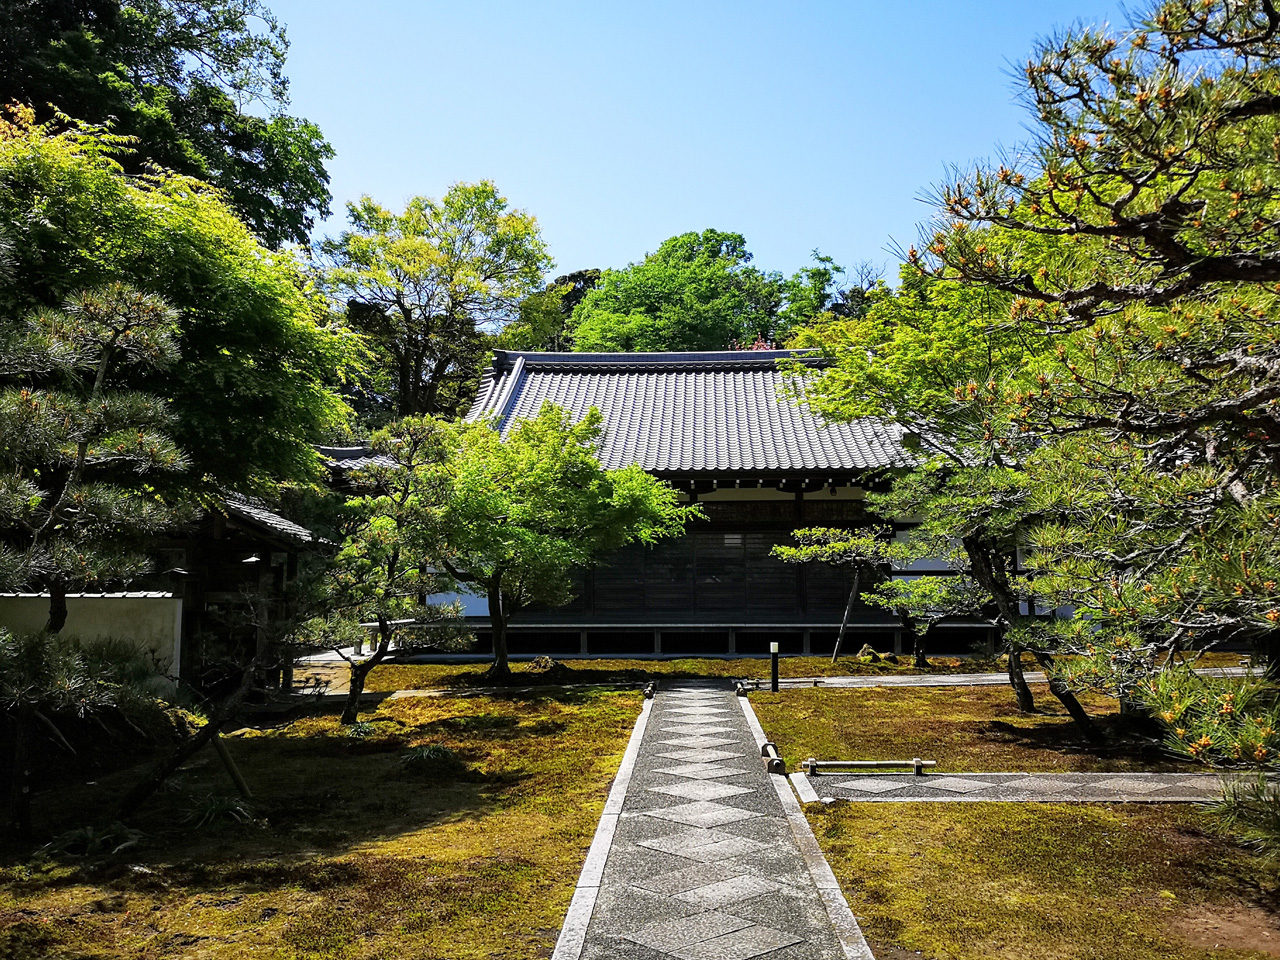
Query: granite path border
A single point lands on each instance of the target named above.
(842, 918)
(573, 932)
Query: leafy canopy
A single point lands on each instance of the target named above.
(200, 85)
(522, 512)
(79, 451)
(512, 517)
(698, 291)
(429, 287)
(258, 360)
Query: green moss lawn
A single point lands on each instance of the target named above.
(352, 853)
(427, 676)
(975, 881)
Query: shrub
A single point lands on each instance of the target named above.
(432, 759)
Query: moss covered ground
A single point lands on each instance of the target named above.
(974, 881)
(974, 729)
(423, 676)
(351, 852)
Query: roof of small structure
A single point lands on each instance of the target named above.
(682, 413)
(257, 513)
(346, 459)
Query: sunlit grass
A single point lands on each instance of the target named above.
(426, 676)
(355, 854)
(973, 881)
(987, 881)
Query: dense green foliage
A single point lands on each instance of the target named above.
(429, 288)
(545, 315)
(1156, 180)
(54, 684)
(698, 291)
(915, 359)
(1114, 407)
(512, 518)
(257, 363)
(180, 78)
(78, 452)
(386, 571)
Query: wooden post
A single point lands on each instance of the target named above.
(242, 787)
(848, 611)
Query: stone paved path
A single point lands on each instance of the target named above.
(946, 679)
(1010, 787)
(709, 856)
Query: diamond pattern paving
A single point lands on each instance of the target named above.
(1023, 788)
(703, 813)
(695, 729)
(699, 875)
(702, 771)
(706, 846)
(870, 784)
(956, 784)
(701, 790)
(667, 935)
(702, 850)
(1038, 785)
(699, 756)
(725, 893)
(739, 945)
(699, 741)
(1130, 785)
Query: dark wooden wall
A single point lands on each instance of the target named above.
(721, 570)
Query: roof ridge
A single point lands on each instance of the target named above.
(505, 360)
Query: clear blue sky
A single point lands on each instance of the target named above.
(798, 124)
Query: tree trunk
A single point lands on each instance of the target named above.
(1021, 690)
(20, 788)
(161, 772)
(986, 570)
(1267, 649)
(359, 673)
(918, 655)
(498, 623)
(57, 607)
(1068, 699)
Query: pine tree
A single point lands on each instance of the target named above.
(78, 453)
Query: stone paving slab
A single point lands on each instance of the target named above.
(947, 679)
(703, 862)
(1013, 787)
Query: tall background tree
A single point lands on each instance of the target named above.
(545, 315)
(699, 291)
(200, 86)
(260, 359)
(429, 287)
(926, 358)
(387, 573)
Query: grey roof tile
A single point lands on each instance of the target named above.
(257, 512)
(687, 412)
(346, 459)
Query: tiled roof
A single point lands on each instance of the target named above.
(688, 412)
(121, 595)
(346, 459)
(257, 512)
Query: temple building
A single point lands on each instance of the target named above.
(721, 428)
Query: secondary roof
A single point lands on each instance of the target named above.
(713, 412)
